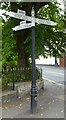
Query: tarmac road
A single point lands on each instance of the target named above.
(53, 73)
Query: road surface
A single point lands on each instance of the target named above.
(50, 100)
(53, 73)
(50, 104)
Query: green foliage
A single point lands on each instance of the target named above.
(53, 12)
(5, 5)
(0, 55)
(0, 45)
(9, 49)
(49, 40)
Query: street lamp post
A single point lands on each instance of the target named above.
(33, 86)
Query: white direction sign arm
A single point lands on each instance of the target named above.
(28, 18)
(46, 22)
(19, 16)
(14, 15)
(23, 26)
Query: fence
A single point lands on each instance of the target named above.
(11, 76)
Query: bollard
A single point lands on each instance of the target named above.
(17, 93)
(41, 74)
(13, 79)
(42, 80)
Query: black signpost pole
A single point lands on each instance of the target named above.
(33, 86)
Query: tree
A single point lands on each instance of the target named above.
(0, 46)
(22, 35)
(49, 40)
(9, 50)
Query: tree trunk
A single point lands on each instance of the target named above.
(20, 48)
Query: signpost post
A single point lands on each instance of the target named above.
(33, 86)
(23, 25)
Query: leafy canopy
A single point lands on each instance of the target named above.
(9, 50)
(49, 40)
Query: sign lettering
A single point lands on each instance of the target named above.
(21, 11)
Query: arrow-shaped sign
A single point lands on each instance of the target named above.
(22, 26)
(46, 22)
(28, 18)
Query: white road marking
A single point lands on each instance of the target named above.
(60, 85)
(53, 73)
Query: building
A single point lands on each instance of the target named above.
(63, 61)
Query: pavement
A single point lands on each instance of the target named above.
(50, 103)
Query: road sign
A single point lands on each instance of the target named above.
(22, 22)
(22, 26)
(21, 11)
(28, 18)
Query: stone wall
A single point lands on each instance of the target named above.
(25, 87)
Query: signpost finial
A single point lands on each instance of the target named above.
(33, 12)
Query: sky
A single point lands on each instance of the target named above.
(62, 3)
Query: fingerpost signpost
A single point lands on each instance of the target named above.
(23, 25)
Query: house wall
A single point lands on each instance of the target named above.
(63, 61)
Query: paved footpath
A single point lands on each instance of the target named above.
(50, 104)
